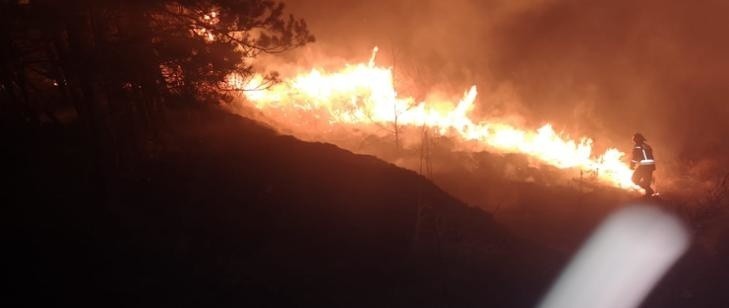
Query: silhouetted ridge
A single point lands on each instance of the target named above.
(227, 212)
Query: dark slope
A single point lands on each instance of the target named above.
(228, 213)
(562, 217)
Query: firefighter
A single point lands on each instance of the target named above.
(643, 163)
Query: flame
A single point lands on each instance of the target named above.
(364, 93)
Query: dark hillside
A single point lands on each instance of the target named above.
(228, 213)
(562, 217)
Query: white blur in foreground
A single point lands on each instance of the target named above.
(622, 261)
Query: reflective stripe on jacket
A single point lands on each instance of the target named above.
(643, 154)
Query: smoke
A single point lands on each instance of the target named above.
(601, 69)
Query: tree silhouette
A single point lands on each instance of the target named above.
(117, 64)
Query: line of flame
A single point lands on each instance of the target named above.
(365, 94)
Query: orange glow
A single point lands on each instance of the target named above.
(201, 28)
(364, 94)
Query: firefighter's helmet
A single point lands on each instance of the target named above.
(638, 138)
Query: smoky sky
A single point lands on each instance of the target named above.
(598, 68)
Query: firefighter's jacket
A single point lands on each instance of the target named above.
(643, 155)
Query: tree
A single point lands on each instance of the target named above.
(102, 49)
(118, 64)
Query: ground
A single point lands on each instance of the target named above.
(221, 211)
